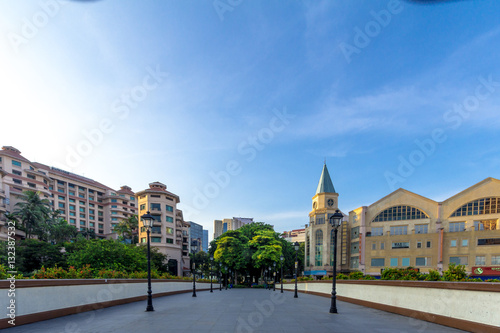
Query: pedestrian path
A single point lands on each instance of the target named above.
(235, 310)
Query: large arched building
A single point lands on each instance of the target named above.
(404, 229)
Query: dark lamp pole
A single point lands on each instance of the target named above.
(225, 270)
(335, 221)
(296, 246)
(274, 275)
(147, 221)
(282, 259)
(211, 264)
(220, 276)
(194, 249)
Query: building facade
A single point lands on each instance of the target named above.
(406, 229)
(297, 235)
(195, 237)
(170, 233)
(319, 234)
(83, 202)
(221, 226)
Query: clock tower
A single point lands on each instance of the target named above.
(319, 240)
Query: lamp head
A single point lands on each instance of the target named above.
(282, 258)
(296, 246)
(147, 220)
(336, 219)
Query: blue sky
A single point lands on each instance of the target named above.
(235, 105)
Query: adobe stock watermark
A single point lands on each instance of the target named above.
(248, 149)
(31, 27)
(256, 318)
(121, 108)
(223, 6)
(363, 37)
(454, 118)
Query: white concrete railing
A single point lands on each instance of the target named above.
(468, 305)
(36, 300)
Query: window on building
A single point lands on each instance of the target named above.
(61, 205)
(378, 262)
(91, 205)
(394, 262)
(495, 260)
(465, 242)
(459, 260)
(82, 209)
(114, 213)
(31, 185)
(143, 207)
(320, 220)
(72, 200)
(31, 177)
(377, 231)
(453, 243)
(114, 219)
(72, 214)
(319, 248)
(143, 240)
(382, 246)
(479, 207)
(71, 192)
(114, 200)
(480, 260)
(155, 206)
(428, 244)
(82, 216)
(170, 208)
(355, 233)
(17, 181)
(92, 224)
(488, 241)
(82, 222)
(155, 239)
(72, 221)
(16, 163)
(170, 241)
(170, 231)
(419, 245)
(405, 262)
(485, 225)
(308, 253)
(457, 226)
(355, 247)
(399, 230)
(422, 261)
(354, 262)
(374, 246)
(400, 213)
(421, 228)
(169, 219)
(17, 173)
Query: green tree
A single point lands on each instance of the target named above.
(32, 213)
(159, 261)
(232, 250)
(108, 254)
(62, 232)
(127, 229)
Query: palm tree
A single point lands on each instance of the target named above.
(127, 229)
(32, 212)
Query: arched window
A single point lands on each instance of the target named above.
(308, 261)
(400, 213)
(319, 248)
(332, 244)
(479, 207)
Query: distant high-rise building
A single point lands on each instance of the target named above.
(221, 226)
(195, 237)
(205, 240)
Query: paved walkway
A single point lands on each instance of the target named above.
(236, 310)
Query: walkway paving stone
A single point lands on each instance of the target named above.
(236, 310)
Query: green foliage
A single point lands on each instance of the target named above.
(342, 277)
(369, 277)
(455, 273)
(408, 273)
(32, 214)
(3, 272)
(159, 261)
(433, 275)
(109, 254)
(127, 230)
(356, 275)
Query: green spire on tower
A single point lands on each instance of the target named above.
(325, 184)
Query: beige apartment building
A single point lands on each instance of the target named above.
(221, 226)
(297, 235)
(170, 233)
(405, 229)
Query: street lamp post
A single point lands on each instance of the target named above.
(147, 220)
(274, 275)
(211, 264)
(281, 276)
(220, 276)
(335, 221)
(296, 246)
(193, 265)
(269, 277)
(225, 271)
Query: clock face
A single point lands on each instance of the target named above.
(330, 202)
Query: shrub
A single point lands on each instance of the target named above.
(342, 277)
(355, 276)
(369, 277)
(491, 280)
(432, 276)
(408, 273)
(3, 272)
(455, 273)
